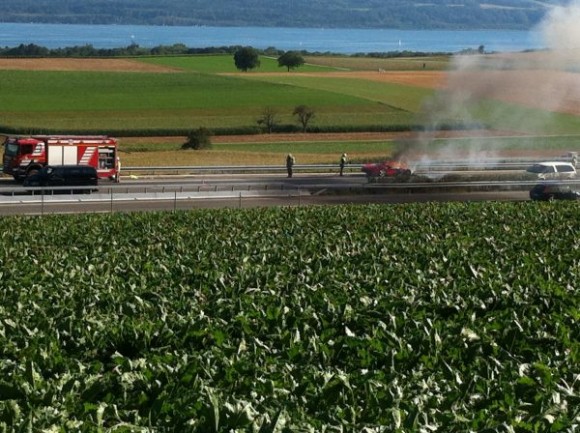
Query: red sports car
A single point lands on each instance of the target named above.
(386, 169)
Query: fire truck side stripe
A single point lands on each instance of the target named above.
(38, 149)
(86, 158)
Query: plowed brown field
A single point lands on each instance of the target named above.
(113, 65)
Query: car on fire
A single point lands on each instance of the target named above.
(553, 191)
(386, 169)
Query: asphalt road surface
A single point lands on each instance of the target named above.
(232, 191)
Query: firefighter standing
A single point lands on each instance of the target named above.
(118, 175)
(343, 162)
(290, 160)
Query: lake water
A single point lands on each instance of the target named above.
(345, 41)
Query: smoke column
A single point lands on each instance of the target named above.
(509, 92)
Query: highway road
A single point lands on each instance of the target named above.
(241, 191)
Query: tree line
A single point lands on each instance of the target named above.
(88, 50)
(33, 50)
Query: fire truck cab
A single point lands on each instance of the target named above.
(24, 156)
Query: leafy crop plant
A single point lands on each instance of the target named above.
(403, 318)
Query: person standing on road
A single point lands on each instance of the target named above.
(118, 175)
(290, 160)
(343, 162)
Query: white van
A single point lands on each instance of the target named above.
(553, 170)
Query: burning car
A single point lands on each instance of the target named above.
(386, 169)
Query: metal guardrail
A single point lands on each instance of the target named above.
(119, 197)
(240, 168)
(208, 189)
(421, 167)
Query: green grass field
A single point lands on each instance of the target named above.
(203, 91)
(135, 101)
(220, 63)
(200, 96)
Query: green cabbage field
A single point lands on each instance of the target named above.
(452, 317)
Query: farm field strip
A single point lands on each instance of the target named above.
(326, 148)
(220, 63)
(106, 100)
(68, 99)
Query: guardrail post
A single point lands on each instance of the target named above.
(111, 190)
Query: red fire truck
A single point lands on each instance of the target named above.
(24, 156)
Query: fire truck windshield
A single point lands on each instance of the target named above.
(11, 149)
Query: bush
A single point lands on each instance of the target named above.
(198, 139)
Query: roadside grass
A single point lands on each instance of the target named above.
(273, 153)
(330, 147)
(168, 152)
(219, 157)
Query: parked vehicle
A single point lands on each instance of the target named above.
(25, 156)
(63, 175)
(553, 191)
(386, 169)
(553, 170)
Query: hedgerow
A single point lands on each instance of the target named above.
(240, 130)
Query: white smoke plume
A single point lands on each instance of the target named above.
(560, 28)
(541, 82)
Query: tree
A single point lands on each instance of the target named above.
(291, 60)
(198, 139)
(268, 119)
(304, 114)
(246, 58)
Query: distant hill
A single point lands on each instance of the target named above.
(393, 14)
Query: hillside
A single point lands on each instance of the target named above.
(394, 14)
